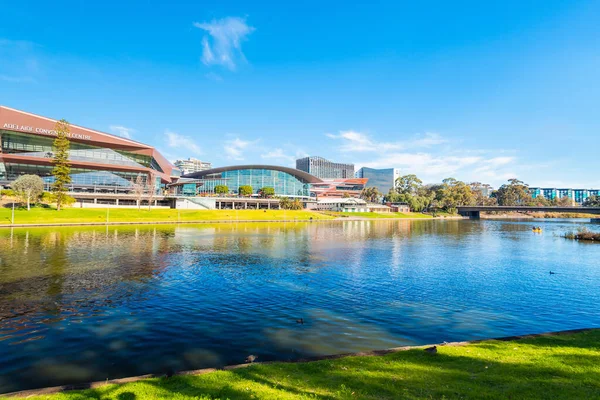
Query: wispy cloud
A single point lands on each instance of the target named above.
(177, 141)
(122, 131)
(353, 141)
(235, 148)
(223, 43)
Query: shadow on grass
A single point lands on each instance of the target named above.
(492, 370)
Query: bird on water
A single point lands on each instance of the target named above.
(552, 273)
(431, 350)
(300, 321)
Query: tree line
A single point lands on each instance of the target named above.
(452, 193)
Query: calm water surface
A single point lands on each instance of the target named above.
(82, 304)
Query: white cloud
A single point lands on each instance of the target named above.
(223, 43)
(122, 131)
(175, 140)
(359, 142)
(234, 148)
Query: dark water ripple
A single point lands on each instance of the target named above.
(87, 304)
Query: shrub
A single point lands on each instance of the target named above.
(7, 192)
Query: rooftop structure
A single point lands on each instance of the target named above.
(192, 165)
(325, 169)
(382, 179)
(98, 159)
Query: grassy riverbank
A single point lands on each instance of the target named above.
(88, 215)
(583, 234)
(563, 366)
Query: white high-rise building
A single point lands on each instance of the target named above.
(192, 165)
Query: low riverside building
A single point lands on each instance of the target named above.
(339, 205)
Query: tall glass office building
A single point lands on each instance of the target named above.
(382, 179)
(98, 160)
(286, 181)
(325, 169)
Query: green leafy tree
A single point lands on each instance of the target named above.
(515, 193)
(221, 189)
(454, 193)
(371, 194)
(62, 166)
(267, 192)
(592, 201)
(28, 188)
(245, 190)
(408, 184)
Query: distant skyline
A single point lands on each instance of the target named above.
(470, 90)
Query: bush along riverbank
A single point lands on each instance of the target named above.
(552, 366)
(583, 234)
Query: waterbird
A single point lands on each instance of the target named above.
(251, 358)
(300, 321)
(431, 350)
(552, 273)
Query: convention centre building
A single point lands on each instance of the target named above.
(99, 161)
(285, 181)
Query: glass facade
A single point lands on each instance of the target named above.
(325, 169)
(284, 184)
(79, 176)
(382, 179)
(41, 147)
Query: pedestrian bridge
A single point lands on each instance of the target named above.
(473, 212)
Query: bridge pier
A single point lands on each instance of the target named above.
(471, 214)
(595, 220)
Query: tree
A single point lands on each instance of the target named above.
(454, 193)
(592, 201)
(267, 192)
(285, 203)
(137, 186)
(346, 195)
(62, 166)
(28, 187)
(479, 197)
(245, 190)
(151, 189)
(408, 184)
(515, 193)
(221, 189)
(370, 194)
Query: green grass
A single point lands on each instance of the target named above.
(40, 215)
(375, 215)
(551, 367)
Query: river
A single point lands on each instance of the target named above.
(93, 303)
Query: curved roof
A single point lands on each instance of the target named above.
(292, 171)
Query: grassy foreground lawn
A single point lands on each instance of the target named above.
(375, 215)
(552, 367)
(81, 215)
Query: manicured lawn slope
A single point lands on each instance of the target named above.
(80, 215)
(553, 367)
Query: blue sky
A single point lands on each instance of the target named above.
(475, 90)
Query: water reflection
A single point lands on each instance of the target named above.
(79, 304)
